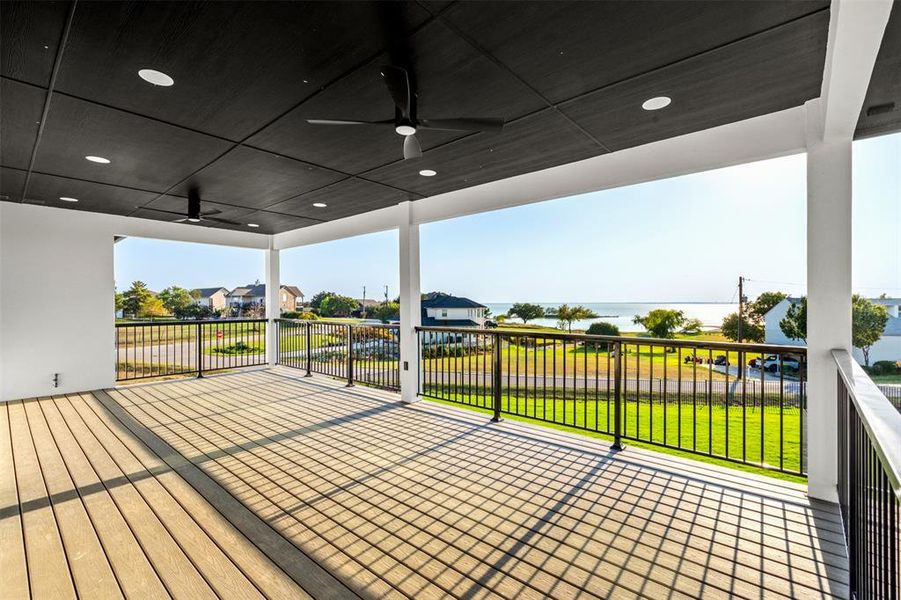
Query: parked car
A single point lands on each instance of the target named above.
(721, 360)
(789, 363)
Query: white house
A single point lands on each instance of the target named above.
(213, 297)
(888, 348)
(443, 310)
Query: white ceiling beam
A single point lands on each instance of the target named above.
(856, 28)
(768, 136)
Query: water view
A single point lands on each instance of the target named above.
(621, 313)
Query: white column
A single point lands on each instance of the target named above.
(410, 315)
(273, 310)
(828, 302)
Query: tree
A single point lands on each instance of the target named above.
(152, 307)
(565, 315)
(195, 311)
(386, 312)
(525, 311)
(763, 304)
(135, 297)
(868, 322)
(337, 306)
(750, 330)
(661, 322)
(794, 323)
(120, 301)
(692, 326)
(175, 299)
(603, 328)
(316, 300)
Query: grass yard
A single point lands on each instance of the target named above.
(694, 427)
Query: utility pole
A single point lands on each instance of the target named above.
(386, 295)
(364, 292)
(741, 318)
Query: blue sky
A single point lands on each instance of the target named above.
(682, 239)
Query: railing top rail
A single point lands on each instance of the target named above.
(880, 418)
(187, 322)
(734, 346)
(338, 323)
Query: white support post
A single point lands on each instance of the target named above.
(410, 310)
(273, 304)
(828, 300)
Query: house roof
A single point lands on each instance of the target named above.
(294, 290)
(366, 302)
(207, 292)
(436, 300)
(249, 290)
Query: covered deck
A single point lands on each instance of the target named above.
(266, 483)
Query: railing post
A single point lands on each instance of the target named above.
(350, 356)
(199, 349)
(497, 378)
(309, 346)
(618, 398)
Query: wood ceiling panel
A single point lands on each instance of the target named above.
(453, 80)
(270, 222)
(94, 197)
(236, 65)
(739, 81)
(885, 84)
(539, 141)
(30, 34)
(180, 205)
(256, 179)
(345, 198)
(565, 49)
(20, 119)
(11, 183)
(145, 154)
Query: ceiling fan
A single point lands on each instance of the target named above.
(194, 215)
(406, 121)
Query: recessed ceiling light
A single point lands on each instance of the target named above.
(428, 173)
(320, 204)
(252, 225)
(656, 103)
(405, 129)
(156, 77)
(68, 199)
(98, 159)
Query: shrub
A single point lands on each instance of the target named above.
(237, 348)
(294, 314)
(602, 328)
(884, 367)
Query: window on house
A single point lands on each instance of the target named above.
(443, 312)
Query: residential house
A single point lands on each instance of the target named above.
(887, 348)
(214, 298)
(444, 310)
(253, 296)
(365, 305)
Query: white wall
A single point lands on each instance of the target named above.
(887, 348)
(56, 293)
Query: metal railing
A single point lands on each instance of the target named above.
(359, 353)
(869, 482)
(163, 348)
(687, 395)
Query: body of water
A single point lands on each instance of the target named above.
(621, 313)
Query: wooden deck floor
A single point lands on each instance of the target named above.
(267, 484)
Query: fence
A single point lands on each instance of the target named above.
(163, 348)
(869, 482)
(662, 392)
(359, 353)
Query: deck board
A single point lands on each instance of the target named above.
(268, 484)
(373, 490)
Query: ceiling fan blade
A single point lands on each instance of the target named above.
(463, 124)
(398, 82)
(412, 149)
(346, 122)
(223, 221)
(168, 212)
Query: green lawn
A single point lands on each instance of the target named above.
(689, 428)
(886, 378)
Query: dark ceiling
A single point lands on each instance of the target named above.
(881, 111)
(568, 77)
